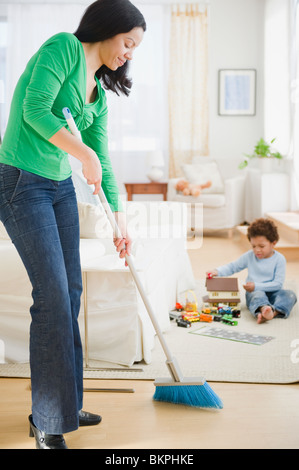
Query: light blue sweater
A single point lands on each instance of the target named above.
(268, 274)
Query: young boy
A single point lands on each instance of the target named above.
(265, 297)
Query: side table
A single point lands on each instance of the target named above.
(146, 188)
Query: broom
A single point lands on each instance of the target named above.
(189, 391)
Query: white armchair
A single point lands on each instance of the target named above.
(224, 202)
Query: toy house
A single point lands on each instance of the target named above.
(222, 290)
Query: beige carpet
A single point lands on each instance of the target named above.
(219, 360)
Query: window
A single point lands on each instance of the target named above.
(137, 123)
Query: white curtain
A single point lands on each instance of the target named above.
(295, 101)
(139, 124)
(188, 80)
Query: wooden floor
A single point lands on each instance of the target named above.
(254, 416)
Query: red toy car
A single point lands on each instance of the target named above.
(179, 307)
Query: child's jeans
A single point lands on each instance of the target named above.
(41, 217)
(281, 300)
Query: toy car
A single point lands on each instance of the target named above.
(224, 309)
(217, 317)
(183, 323)
(236, 313)
(190, 316)
(206, 310)
(175, 315)
(228, 319)
(179, 307)
(205, 317)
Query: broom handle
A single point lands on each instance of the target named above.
(171, 363)
(118, 234)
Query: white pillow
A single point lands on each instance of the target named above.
(93, 222)
(200, 173)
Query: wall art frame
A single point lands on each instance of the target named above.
(237, 92)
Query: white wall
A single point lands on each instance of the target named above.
(236, 41)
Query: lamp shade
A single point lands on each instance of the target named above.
(155, 158)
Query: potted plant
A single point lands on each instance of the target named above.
(261, 150)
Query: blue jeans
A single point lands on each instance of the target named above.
(282, 301)
(41, 218)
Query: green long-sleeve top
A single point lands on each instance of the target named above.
(55, 77)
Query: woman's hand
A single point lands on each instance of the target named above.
(92, 171)
(91, 166)
(123, 245)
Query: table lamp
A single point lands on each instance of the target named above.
(156, 161)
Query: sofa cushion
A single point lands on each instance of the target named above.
(212, 200)
(200, 173)
(93, 222)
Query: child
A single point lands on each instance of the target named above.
(265, 297)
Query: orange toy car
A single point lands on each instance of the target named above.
(206, 310)
(205, 317)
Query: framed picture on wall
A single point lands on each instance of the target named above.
(236, 92)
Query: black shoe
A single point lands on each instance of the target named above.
(88, 419)
(46, 441)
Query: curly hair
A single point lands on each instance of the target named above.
(263, 228)
(102, 20)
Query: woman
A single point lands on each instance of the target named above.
(37, 199)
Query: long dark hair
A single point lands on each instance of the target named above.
(102, 20)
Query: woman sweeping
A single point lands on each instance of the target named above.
(38, 203)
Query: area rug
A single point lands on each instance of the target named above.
(217, 359)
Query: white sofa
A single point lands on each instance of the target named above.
(224, 202)
(119, 329)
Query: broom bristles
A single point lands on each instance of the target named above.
(200, 396)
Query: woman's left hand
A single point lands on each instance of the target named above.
(123, 245)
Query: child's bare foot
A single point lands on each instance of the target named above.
(266, 313)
